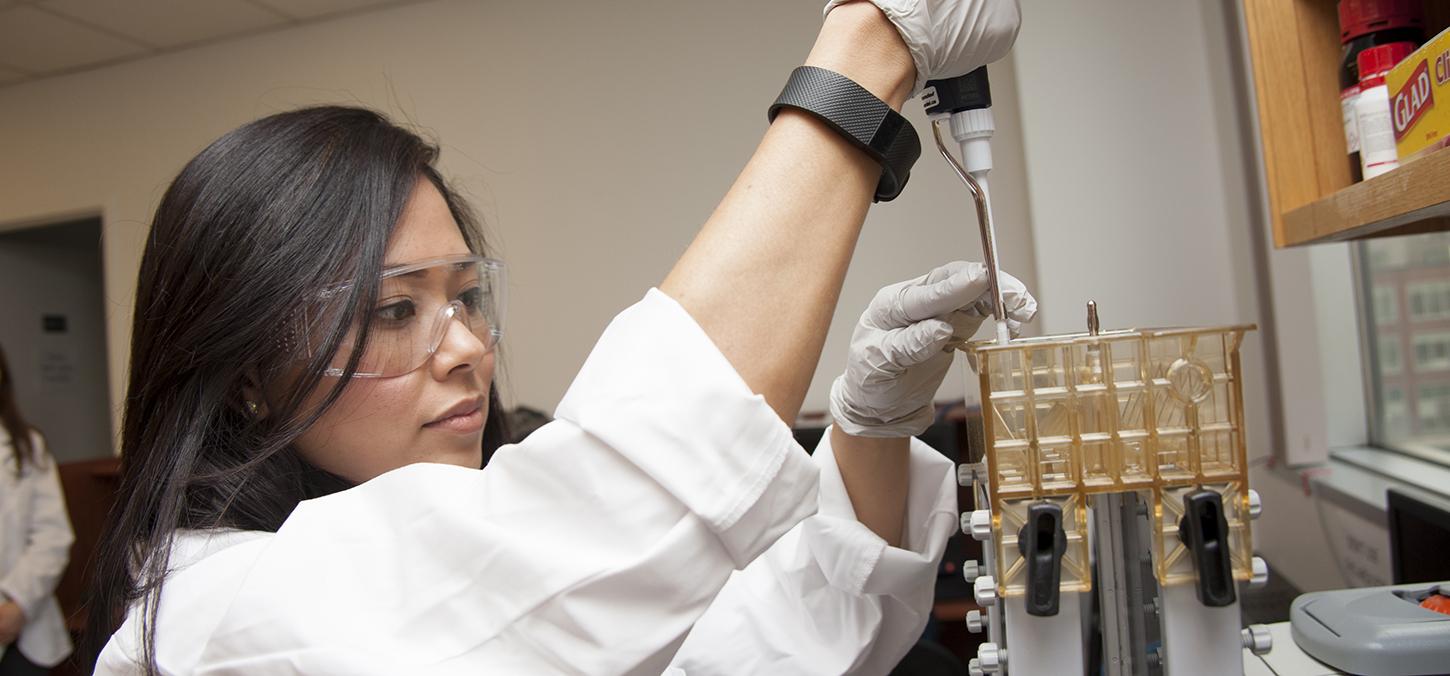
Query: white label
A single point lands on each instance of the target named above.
(929, 97)
(1347, 97)
(1377, 153)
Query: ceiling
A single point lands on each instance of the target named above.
(44, 38)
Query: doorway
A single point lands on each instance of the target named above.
(53, 331)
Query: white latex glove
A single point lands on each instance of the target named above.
(948, 38)
(898, 355)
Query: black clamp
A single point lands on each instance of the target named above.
(1042, 542)
(864, 120)
(1204, 530)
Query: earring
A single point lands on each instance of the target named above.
(252, 407)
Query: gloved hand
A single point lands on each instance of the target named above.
(948, 38)
(898, 357)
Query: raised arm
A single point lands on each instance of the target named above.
(763, 275)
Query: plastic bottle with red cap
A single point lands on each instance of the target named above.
(1364, 24)
(1377, 153)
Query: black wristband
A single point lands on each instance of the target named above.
(864, 120)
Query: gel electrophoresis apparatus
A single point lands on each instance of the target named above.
(1113, 463)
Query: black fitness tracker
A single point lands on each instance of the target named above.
(864, 120)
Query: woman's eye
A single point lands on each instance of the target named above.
(397, 311)
(472, 298)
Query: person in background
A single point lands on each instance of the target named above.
(35, 539)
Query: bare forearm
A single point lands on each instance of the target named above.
(763, 275)
(877, 477)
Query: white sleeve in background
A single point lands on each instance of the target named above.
(590, 548)
(44, 536)
(48, 537)
(830, 597)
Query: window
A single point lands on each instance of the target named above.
(1405, 283)
(1429, 300)
(1433, 408)
(1432, 351)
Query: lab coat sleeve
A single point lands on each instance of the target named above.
(831, 597)
(591, 547)
(48, 540)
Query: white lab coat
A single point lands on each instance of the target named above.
(603, 544)
(35, 540)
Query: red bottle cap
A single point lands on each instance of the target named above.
(1376, 61)
(1361, 17)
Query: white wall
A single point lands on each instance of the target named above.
(593, 137)
(596, 137)
(1144, 197)
(68, 403)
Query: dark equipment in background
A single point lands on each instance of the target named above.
(1419, 539)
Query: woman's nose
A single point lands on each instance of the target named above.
(459, 347)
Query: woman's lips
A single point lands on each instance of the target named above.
(464, 418)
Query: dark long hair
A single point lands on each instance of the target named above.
(267, 216)
(21, 446)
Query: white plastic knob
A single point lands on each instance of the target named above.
(1261, 573)
(974, 667)
(991, 658)
(972, 123)
(980, 525)
(974, 621)
(964, 475)
(984, 589)
(1256, 506)
(971, 570)
(1258, 639)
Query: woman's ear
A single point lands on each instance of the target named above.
(254, 403)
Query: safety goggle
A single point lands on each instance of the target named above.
(417, 305)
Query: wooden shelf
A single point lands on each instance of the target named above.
(1412, 199)
(1294, 53)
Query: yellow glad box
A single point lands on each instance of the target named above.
(1419, 89)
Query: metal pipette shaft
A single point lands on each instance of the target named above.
(989, 235)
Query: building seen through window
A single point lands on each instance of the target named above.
(1407, 284)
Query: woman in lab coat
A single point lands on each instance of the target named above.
(35, 539)
(311, 400)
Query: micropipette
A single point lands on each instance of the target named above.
(965, 103)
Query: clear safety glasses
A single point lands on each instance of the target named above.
(417, 305)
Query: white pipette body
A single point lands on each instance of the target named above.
(1004, 332)
(973, 129)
